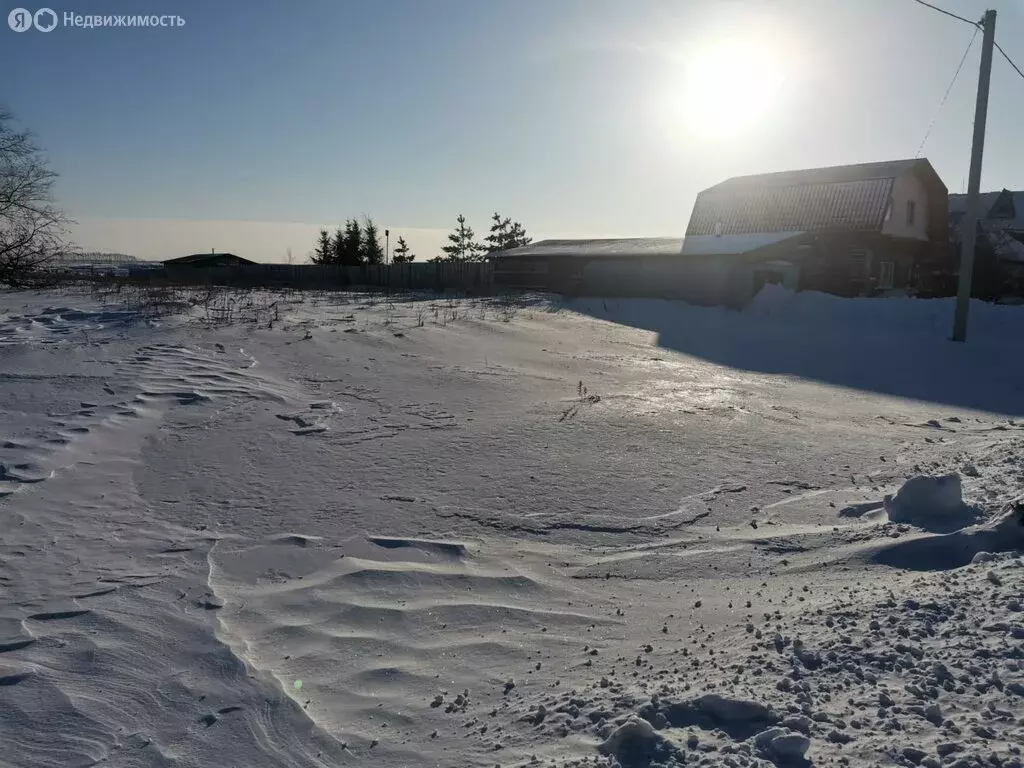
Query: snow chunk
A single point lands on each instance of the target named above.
(790, 746)
(932, 503)
(739, 718)
(782, 745)
(636, 743)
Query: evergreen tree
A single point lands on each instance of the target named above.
(339, 247)
(370, 249)
(517, 236)
(497, 238)
(401, 254)
(351, 244)
(323, 253)
(462, 245)
(505, 233)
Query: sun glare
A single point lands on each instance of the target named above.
(729, 88)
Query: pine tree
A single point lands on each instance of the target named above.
(517, 236)
(370, 250)
(323, 253)
(505, 233)
(462, 244)
(339, 246)
(401, 254)
(351, 244)
(497, 239)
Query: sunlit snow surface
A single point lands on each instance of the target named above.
(325, 529)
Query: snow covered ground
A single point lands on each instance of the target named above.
(333, 529)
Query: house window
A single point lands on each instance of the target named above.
(911, 210)
(887, 272)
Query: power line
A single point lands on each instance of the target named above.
(1007, 57)
(945, 96)
(976, 25)
(947, 13)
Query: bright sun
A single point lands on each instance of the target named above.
(729, 88)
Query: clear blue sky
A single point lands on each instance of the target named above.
(578, 117)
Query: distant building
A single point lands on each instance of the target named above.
(849, 230)
(999, 255)
(94, 258)
(201, 260)
(90, 263)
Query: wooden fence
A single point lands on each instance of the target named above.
(440, 276)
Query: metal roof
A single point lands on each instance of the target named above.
(623, 246)
(846, 197)
(889, 169)
(850, 205)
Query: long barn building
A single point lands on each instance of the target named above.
(849, 230)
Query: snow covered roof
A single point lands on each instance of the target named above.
(847, 197)
(1010, 208)
(712, 245)
(620, 246)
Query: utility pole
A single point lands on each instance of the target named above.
(969, 231)
(387, 246)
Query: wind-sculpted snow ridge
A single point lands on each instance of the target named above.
(364, 531)
(385, 641)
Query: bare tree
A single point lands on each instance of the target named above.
(32, 229)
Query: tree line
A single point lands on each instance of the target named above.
(358, 242)
(354, 244)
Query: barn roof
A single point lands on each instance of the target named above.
(847, 197)
(201, 257)
(620, 246)
(889, 169)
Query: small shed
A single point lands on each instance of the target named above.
(206, 260)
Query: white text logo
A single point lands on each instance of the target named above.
(46, 20)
